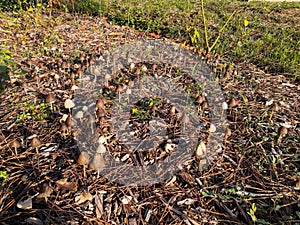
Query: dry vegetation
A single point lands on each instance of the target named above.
(255, 180)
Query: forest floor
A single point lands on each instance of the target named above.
(255, 179)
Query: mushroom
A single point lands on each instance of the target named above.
(172, 111)
(282, 131)
(169, 147)
(131, 67)
(56, 77)
(100, 113)
(91, 122)
(200, 99)
(201, 150)
(185, 119)
(227, 133)
(204, 106)
(35, 143)
(101, 149)
(118, 90)
(224, 107)
(50, 98)
(63, 130)
(69, 104)
(100, 103)
(83, 159)
(69, 121)
(79, 115)
(97, 163)
(15, 144)
(232, 102)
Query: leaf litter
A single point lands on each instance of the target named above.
(259, 163)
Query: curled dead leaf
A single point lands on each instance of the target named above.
(83, 197)
(64, 184)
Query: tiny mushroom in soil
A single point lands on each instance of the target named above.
(15, 144)
(97, 163)
(50, 98)
(69, 104)
(83, 159)
(35, 143)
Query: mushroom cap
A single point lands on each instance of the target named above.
(101, 149)
(63, 127)
(50, 98)
(172, 111)
(201, 150)
(232, 102)
(35, 142)
(83, 158)
(69, 104)
(79, 115)
(283, 131)
(98, 162)
(200, 99)
(69, 120)
(15, 144)
(119, 88)
(224, 105)
(100, 103)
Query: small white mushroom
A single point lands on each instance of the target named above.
(69, 104)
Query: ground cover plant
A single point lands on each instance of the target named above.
(45, 50)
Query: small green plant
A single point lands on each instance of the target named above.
(39, 112)
(4, 176)
(252, 212)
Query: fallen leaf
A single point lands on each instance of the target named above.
(47, 191)
(83, 197)
(65, 185)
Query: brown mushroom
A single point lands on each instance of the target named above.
(35, 143)
(64, 130)
(232, 102)
(15, 144)
(83, 159)
(97, 163)
(50, 98)
(282, 131)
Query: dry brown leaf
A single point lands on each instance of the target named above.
(65, 185)
(83, 197)
(47, 191)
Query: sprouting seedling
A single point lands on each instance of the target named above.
(209, 48)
